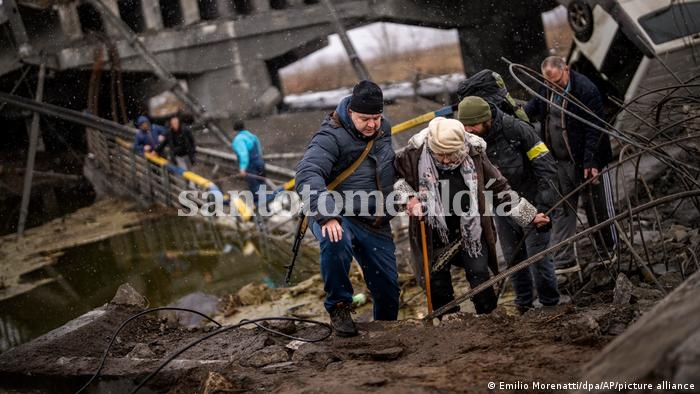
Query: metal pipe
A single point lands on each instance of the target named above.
(355, 60)
(115, 129)
(31, 155)
(536, 257)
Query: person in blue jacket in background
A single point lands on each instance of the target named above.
(247, 147)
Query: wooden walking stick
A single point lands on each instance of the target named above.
(426, 265)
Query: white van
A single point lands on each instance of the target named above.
(629, 47)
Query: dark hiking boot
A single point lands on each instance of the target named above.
(522, 309)
(342, 321)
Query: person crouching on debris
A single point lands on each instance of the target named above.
(353, 142)
(248, 149)
(150, 136)
(445, 165)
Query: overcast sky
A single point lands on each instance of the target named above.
(369, 41)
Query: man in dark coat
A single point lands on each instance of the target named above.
(581, 152)
(181, 143)
(440, 165)
(516, 150)
(353, 221)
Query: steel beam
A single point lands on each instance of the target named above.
(31, 155)
(162, 74)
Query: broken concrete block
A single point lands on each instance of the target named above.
(387, 354)
(217, 383)
(128, 296)
(626, 292)
(646, 235)
(287, 366)
(141, 350)
(295, 344)
(266, 356)
(582, 331)
(623, 290)
(671, 280)
(678, 233)
(314, 354)
(253, 294)
(284, 326)
(695, 237)
(643, 293)
(600, 277)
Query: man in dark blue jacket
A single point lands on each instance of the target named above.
(149, 137)
(581, 152)
(513, 146)
(352, 222)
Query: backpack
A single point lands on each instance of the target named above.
(490, 86)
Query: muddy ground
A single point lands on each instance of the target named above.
(462, 353)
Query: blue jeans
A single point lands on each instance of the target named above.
(374, 251)
(255, 182)
(510, 235)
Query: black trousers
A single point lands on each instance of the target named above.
(477, 272)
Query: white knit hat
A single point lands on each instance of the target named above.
(446, 136)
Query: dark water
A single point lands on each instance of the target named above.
(166, 260)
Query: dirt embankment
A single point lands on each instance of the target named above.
(461, 353)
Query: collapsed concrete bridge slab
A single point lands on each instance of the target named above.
(228, 53)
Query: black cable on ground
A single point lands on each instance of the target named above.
(241, 324)
(114, 336)
(193, 343)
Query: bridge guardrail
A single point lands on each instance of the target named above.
(151, 177)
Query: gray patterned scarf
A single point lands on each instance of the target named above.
(429, 192)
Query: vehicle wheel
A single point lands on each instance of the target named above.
(580, 18)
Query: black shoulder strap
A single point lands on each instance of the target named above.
(348, 171)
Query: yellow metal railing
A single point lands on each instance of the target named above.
(156, 179)
(153, 177)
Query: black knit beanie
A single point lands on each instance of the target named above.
(367, 98)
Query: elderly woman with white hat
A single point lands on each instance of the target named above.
(449, 180)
